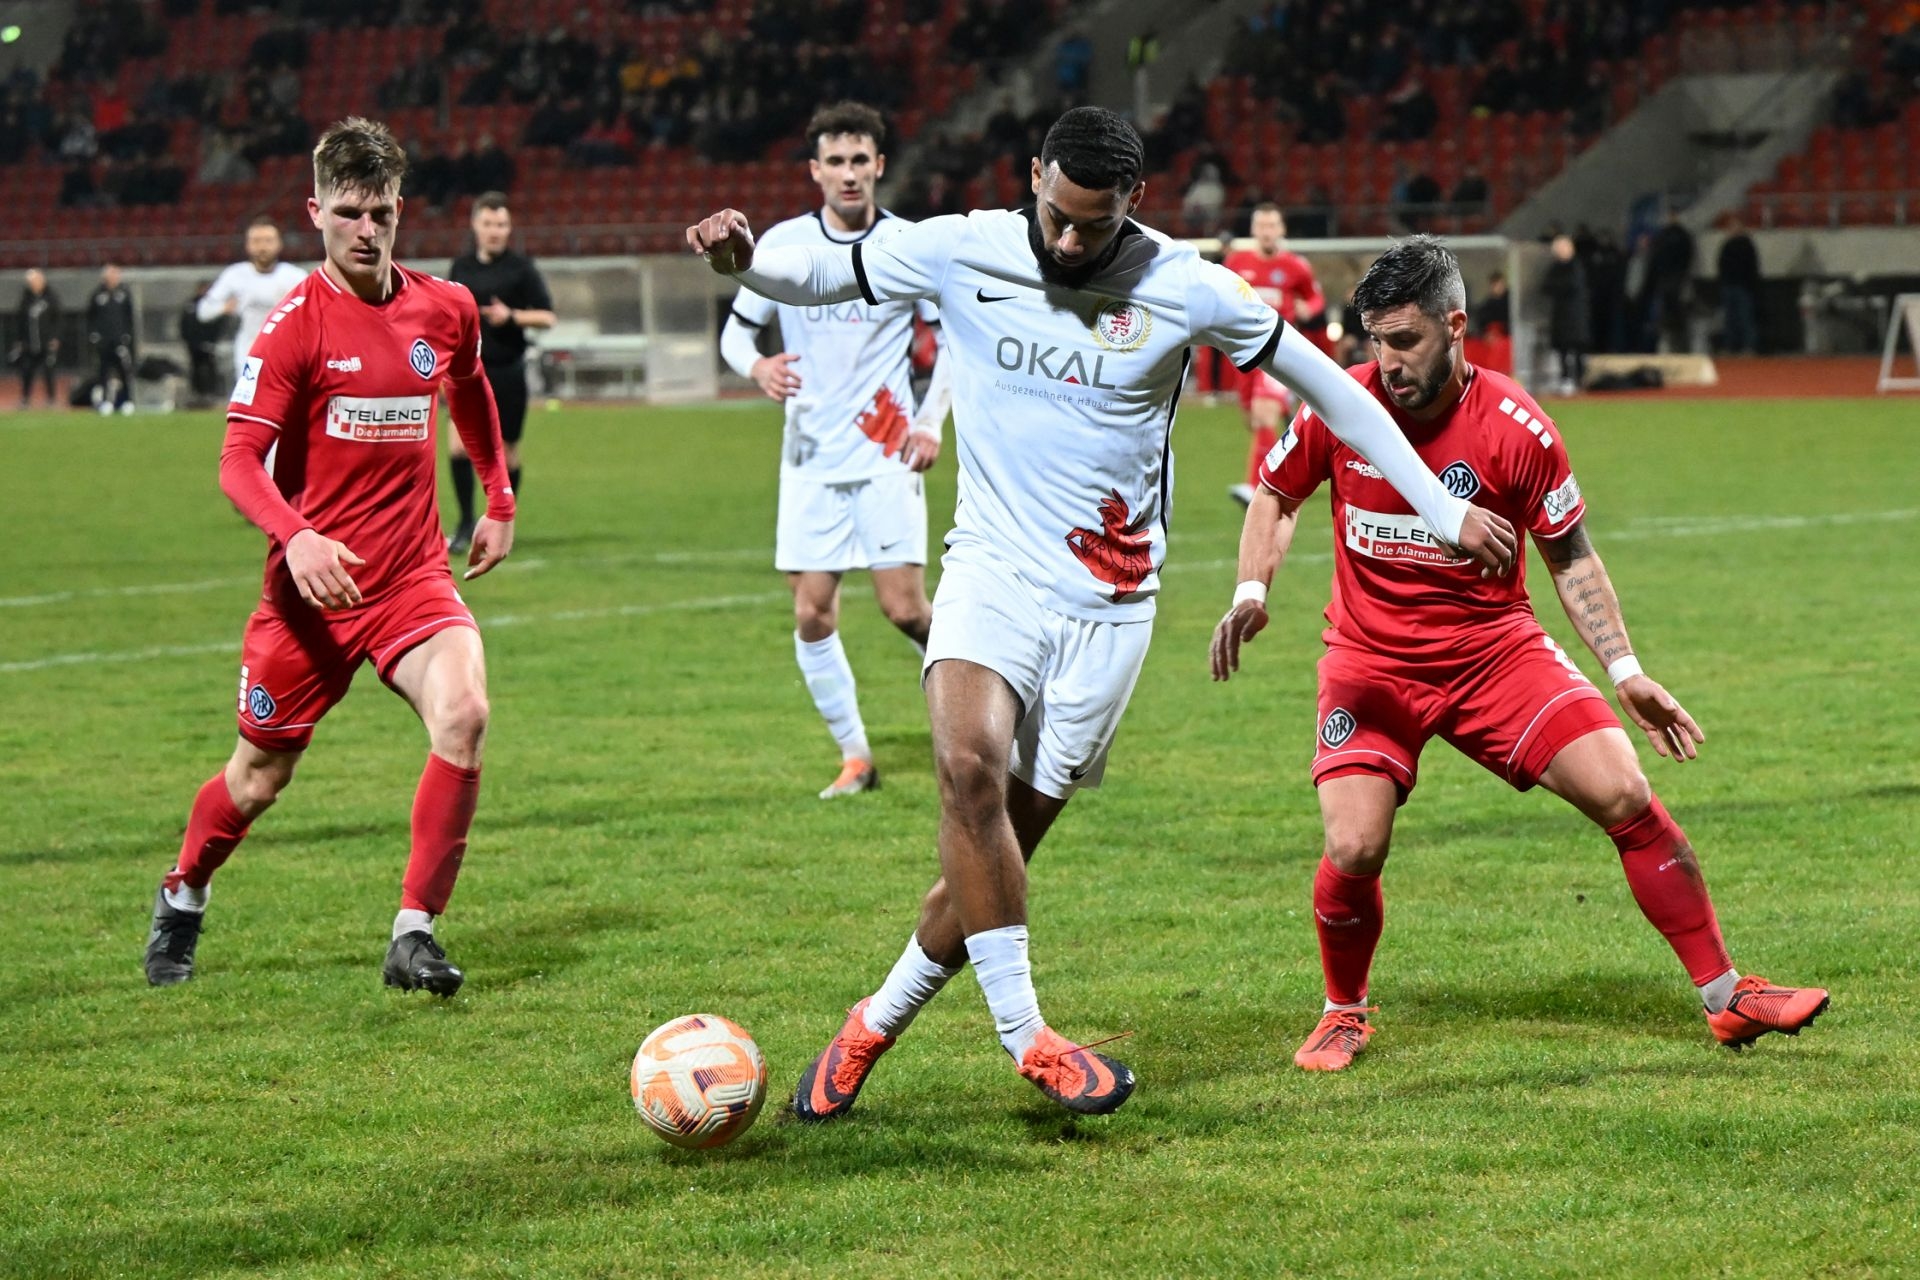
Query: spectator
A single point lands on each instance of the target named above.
(1204, 201)
(1738, 268)
(36, 346)
(1669, 284)
(1568, 328)
(200, 337)
(1607, 286)
(1470, 194)
(1493, 318)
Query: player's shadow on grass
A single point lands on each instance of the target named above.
(1636, 1003)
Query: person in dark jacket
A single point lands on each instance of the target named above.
(1739, 271)
(1669, 280)
(37, 344)
(1569, 329)
(110, 331)
(200, 337)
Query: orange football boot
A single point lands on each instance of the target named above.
(1758, 1007)
(828, 1087)
(856, 775)
(1336, 1041)
(1082, 1081)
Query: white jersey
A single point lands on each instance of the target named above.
(855, 404)
(1064, 397)
(258, 293)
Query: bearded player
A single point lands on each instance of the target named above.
(1420, 646)
(1284, 281)
(343, 378)
(1069, 325)
(249, 290)
(851, 491)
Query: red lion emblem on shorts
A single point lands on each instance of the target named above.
(1117, 553)
(885, 423)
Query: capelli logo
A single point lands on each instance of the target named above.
(349, 365)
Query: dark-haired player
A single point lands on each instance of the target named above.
(343, 378)
(1069, 325)
(513, 298)
(1421, 646)
(851, 492)
(1285, 282)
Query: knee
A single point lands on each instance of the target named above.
(973, 788)
(1356, 849)
(254, 787)
(910, 616)
(1623, 796)
(462, 726)
(813, 621)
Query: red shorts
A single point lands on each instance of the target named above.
(1261, 385)
(1511, 709)
(295, 666)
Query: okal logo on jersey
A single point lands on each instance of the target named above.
(1121, 325)
(1337, 727)
(1460, 480)
(380, 419)
(422, 359)
(1397, 537)
(1036, 361)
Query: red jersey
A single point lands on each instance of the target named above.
(1398, 590)
(1281, 280)
(351, 387)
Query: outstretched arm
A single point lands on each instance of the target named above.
(1358, 419)
(1586, 593)
(795, 274)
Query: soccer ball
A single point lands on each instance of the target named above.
(699, 1080)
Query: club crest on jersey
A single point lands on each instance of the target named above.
(1338, 726)
(1460, 480)
(260, 704)
(422, 359)
(1121, 325)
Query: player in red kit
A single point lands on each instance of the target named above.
(343, 380)
(1286, 283)
(1420, 645)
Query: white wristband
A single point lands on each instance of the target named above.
(1621, 670)
(1251, 590)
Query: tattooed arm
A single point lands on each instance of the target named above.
(1587, 595)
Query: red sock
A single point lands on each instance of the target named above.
(214, 830)
(1349, 912)
(1264, 438)
(1666, 882)
(442, 813)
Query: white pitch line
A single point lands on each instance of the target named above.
(1648, 528)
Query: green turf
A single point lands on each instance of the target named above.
(1542, 1098)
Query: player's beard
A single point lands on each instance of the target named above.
(1426, 388)
(1053, 271)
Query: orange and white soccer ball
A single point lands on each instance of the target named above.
(698, 1081)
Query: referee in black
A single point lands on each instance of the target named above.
(513, 299)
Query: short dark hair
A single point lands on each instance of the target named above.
(489, 200)
(358, 154)
(1421, 270)
(263, 220)
(1095, 148)
(846, 117)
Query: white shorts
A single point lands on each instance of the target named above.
(1073, 677)
(862, 524)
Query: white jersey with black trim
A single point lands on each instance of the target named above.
(855, 404)
(258, 293)
(1064, 397)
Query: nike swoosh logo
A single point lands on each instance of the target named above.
(1077, 774)
(981, 295)
(888, 546)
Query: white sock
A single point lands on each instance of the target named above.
(411, 921)
(1006, 978)
(184, 897)
(1330, 1006)
(823, 663)
(914, 980)
(1718, 994)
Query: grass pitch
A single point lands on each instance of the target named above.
(1542, 1099)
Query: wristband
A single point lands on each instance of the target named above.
(1253, 590)
(1621, 670)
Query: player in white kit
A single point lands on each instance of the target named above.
(250, 290)
(1069, 326)
(851, 491)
